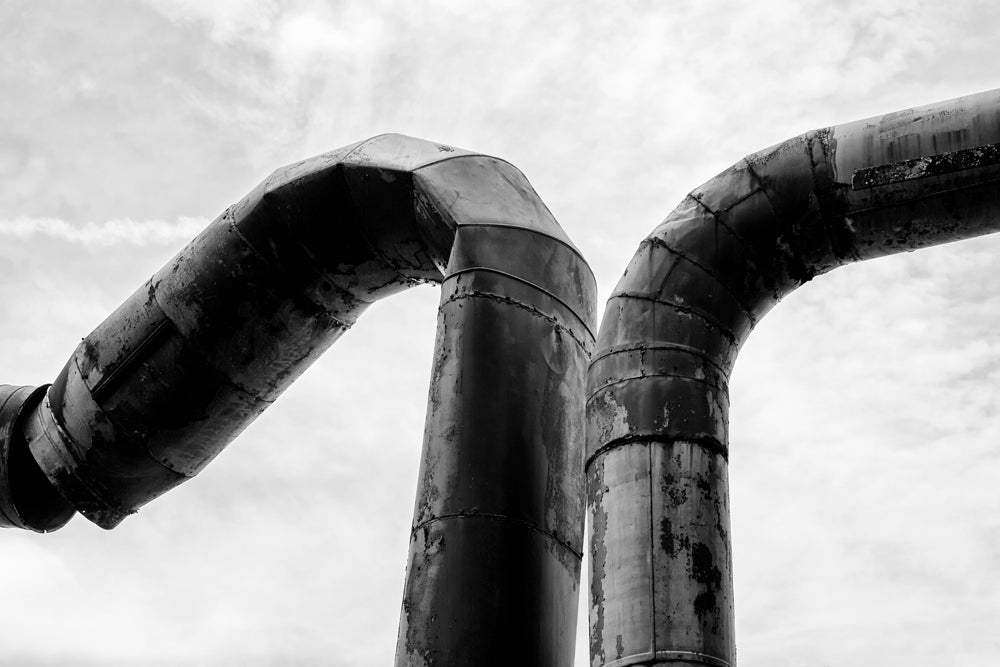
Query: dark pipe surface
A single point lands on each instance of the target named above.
(211, 340)
(27, 499)
(497, 539)
(657, 450)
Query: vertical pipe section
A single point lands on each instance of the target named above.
(497, 538)
(657, 434)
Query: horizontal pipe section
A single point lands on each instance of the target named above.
(657, 435)
(497, 537)
(213, 338)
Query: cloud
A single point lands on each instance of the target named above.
(226, 20)
(106, 233)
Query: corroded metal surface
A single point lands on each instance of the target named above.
(497, 538)
(657, 441)
(210, 341)
(932, 165)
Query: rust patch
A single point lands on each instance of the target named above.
(934, 165)
(703, 567)
(704, 604)
(672, 543)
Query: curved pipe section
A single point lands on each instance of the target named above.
(658, 400)
(211, 340)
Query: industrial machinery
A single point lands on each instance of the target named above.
(519, 430)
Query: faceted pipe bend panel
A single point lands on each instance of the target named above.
(658, 401)
(212, 339)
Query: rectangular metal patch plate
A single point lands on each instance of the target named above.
(935, 165)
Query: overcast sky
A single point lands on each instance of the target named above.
(865, 428)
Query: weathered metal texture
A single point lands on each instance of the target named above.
(212, 339)
(497, 538)
(657, 441)
(27, 500)
(192, 357)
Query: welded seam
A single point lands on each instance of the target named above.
(612, 383)
(657, 241)
(742, 199)
(761, 188)
(749, 247)
(268, 212)
(666, 276)
(277, 269)
(763, 268)
(361, 144)
(67, 460)
(539, 232)
(460, 153)
(661, 657)
(717, 215)
(447, 158)
(459, 224)
(529, 284)
(681, 308)
(642, 347)
(497, 517)
(707, 442)
(556, 324)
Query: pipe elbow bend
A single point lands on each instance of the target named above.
(213, 338)
(658, 399)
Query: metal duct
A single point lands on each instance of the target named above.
(657, 441)
(27, 499)
(497, 540)
(211, 340)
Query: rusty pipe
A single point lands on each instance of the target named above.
(658, 400)
(27, 499)
(497, 536)
(211, 340)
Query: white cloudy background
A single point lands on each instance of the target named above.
(865, 460)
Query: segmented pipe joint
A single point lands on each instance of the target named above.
(658, 397)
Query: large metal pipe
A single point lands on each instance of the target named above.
(657, 436)
(497, 540)
(211, 340)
